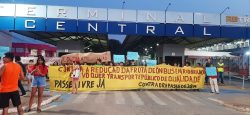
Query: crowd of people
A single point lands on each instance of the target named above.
(212, 80)
(99, 62)
(12, 72)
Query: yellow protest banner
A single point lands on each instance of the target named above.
(96, 78)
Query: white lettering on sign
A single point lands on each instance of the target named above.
(122, 16)
(91, 26)
(60, 25)
(30, 24)
(62, 13)
(179, 29)
(150, 17)
(205, 32)
(151, 29)
(30, 11)
(122, 26)
(7, 9)
(92, 14)
(205, 19)
(179, 19)
(245, 20)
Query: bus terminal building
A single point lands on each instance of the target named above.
(38, 20)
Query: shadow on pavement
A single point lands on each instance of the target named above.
(68, 112)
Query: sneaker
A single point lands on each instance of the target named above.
(23, 95)
(211, 92)
(217, 93)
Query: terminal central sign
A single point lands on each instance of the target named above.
(119, 21)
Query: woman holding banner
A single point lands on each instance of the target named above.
(75, 75)
(211, 72)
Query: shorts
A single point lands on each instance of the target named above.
(5, 97)
(75, 78)
(38, 81)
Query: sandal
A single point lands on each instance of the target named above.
(27, 110)
(38, 110)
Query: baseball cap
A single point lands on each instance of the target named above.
(9, 55)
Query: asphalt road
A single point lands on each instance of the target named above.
(139, 103)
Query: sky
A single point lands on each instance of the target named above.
(237, 7)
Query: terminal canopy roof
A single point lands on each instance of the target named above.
(139, 43)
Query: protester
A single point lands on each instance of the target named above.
(85, 63)
(212, 78)
(220, 69)
(214, 84)
(132, 63)
(121, 64)
(111, 63)
(144, 63)
(38, 82)
(10, 73)
(187, 64)
(127, 63)
(198, 65)
(20, 85)
(55, 63)
(175, 65)
(208, 64)
(75, 75)
(29, 75)
(98, 62)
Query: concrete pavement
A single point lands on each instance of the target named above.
(140, 103)
(164, 102)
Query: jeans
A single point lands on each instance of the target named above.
(214, 85)
(206, 79)
(20, 85)
(220, 77)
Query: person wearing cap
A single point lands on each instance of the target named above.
(10, 73)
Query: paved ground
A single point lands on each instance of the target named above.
(152, 102)
(139, 103)
(236, 82)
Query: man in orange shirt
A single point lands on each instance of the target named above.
(9, 75)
